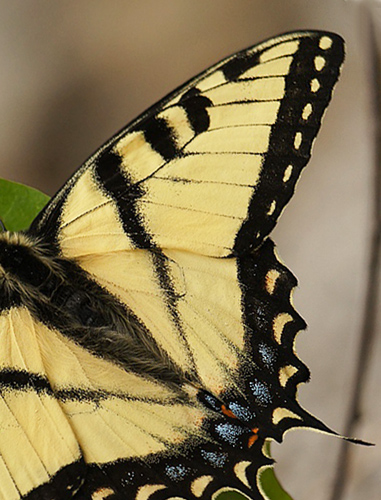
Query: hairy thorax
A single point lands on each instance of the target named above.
(59, 293)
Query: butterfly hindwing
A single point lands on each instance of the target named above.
(77, 397)
(159, 317)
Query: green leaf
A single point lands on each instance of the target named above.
(19, 204)
(269, 485)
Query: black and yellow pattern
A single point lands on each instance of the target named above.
(147, 330)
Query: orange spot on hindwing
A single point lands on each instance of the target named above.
(227, 412)
(253, 438)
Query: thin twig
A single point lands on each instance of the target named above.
(368, 330)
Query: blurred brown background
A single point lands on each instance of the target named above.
(74, 72)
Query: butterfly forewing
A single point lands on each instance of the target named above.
(240, 133)
(162, 318)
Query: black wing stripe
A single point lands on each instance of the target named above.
(196, 106)
(233, 69)
(290, 129)
(21, 380)
(65, 483)
(160, 137)
(125, 195)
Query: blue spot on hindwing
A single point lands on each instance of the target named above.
(128, 478)
(215, 458)
(210, 400)
(260, 392)
(267, 354)
(241, 412)
(230, 433)
(176, 472)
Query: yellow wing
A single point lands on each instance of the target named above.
(58, 399)
(203, 175)
(159, 313)
(210, 168)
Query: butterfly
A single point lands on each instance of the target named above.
(147, 331)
